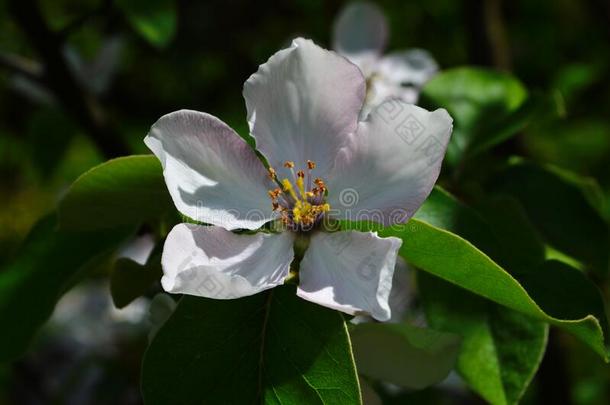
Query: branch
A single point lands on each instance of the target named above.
(23, 66)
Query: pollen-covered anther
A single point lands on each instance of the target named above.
(272, 174)
(300, 205)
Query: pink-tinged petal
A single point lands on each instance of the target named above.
(360, 28)
(412, 67)
(390, 165)
(349, 271)
(302, 105)
(209, 261)
(211, 173)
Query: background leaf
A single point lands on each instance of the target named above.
(402, 354)
(154, 20)
(129, 280)
(272, 346)
(47, 265)
(484, 104)
(126, 190)
(501, 348)
(560, 211)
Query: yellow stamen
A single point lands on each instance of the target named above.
(289, 189)
(288, 164)
(301, 187)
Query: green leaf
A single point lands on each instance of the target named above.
(429, 243)
(456, 260)
(272, 347)
(154, 20)
(560, 210)
(130, 280)
(487, 107)
(403, 354)
(49, 262)
(501, 350)
(123, 191)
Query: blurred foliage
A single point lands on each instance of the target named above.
(180, 54)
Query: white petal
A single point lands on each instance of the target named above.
(302, 104)
(349, 271)
(391, 164)
(209, 261)
(361, 27)
(401, 295)
(211, 173)
(413, 67)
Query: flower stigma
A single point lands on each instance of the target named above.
(300, 200)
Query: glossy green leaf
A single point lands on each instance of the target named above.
(272, 348)
(560, 210)
(154, 20)
(403, 354)
(456, 260)
(130, 280)
(451, 257)
(501, 348)
(49, 262)
(122, 191)
(487, 107)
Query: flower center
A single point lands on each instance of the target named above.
(300, 200)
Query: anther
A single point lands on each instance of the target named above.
(311, 165)
(288, 164)
(272, 175)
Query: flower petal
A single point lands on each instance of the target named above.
(209, 261)
(211, 173)
(302, 104)
(412, 67)
(361, 27)
(390, 165)
(349, 271)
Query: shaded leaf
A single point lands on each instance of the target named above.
(501, 350)
(560, 211)
(403, 354)
(47, 265)
(126, 190)
(130, 280)
(272, 347)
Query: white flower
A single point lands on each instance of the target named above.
(360, 34)
(303, 107)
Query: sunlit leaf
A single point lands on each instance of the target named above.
(487, 107)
